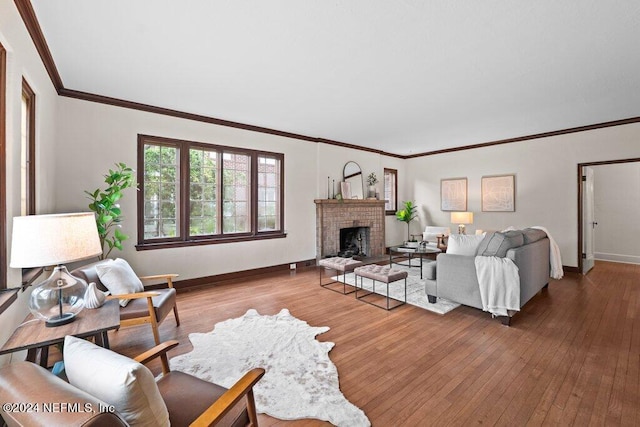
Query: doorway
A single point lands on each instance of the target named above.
(587, 219)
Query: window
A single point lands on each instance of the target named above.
(3, 166)
(28, 151)
(196, 193)
(390, 191)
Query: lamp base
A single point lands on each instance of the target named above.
(461, 229)
(60, 320)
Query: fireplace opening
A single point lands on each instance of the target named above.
(354, 241)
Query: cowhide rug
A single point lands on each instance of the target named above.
(300, 379)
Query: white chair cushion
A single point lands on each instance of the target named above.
(431, 233)
(117, 380)
(119, 278)
(464, 244)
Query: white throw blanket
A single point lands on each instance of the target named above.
(499, 284)
(555, 260)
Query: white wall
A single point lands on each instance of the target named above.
(92, 137)
(546, 180)
(617, 209)
(23, 61)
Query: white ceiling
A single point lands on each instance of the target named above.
(399, 76)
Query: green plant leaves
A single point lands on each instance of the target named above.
(108, 213)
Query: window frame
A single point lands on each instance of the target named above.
(30, 98)
(184, 239)
(393, 172)
(3, 166)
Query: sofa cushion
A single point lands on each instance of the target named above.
(119, 278)
(118, 380)
(497, 244)
(532, 235)
(464, 244)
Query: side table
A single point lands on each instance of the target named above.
(33, 335)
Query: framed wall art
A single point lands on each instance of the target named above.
(453, 194)
(499, 193)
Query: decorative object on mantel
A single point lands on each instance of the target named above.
(300, 381)
(453, 194)
(44, 240)
(105, 204)
(94, 297)
(407, 215)
(372, 180)
(498, 193)
(461, 218)
(352, 174)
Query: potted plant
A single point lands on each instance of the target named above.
(407, 215)
(105, 204)
(372, 180)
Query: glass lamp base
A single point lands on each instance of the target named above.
(60, 320)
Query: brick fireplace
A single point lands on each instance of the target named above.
(334, 215)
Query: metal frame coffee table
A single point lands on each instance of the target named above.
(404, 252)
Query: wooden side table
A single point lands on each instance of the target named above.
(34, 335)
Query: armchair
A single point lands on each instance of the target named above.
(183, 398)
(150, 307)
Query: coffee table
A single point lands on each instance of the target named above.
(32, 335)
(405, 252)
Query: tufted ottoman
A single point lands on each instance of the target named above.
(380, 273)
(339, 264)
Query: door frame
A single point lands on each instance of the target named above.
(580, 197)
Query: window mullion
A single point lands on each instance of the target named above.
(183, 203)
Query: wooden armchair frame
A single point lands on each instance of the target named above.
(243, 388)
(151, 318)
(89, 274)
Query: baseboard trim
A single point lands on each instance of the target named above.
(626, 259)
(198, 282)
(569, 269)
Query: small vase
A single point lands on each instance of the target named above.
(372, 191)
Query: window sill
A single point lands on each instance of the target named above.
(7, 297)
(186, 243)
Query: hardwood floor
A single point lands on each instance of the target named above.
(571, 357)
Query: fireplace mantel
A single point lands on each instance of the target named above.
(332, 215)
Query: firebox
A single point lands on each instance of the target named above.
(354, 241)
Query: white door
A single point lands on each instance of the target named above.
(588, 220)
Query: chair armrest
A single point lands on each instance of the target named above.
(168, 277)
(243, 387)
(136, 295)
(158, 351)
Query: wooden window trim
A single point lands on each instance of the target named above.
(395, 190)
(3, 167)
(184, 239)
(30, 98)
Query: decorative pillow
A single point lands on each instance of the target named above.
(463, 244)
(497, 244)
(119, 278)
(117, 380)
(533, 235)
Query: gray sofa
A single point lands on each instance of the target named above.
(454, 277)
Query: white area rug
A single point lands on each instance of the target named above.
(415, 290)
(300, 379)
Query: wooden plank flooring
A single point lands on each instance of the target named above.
(571, 357)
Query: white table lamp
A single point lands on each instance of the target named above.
(45, 240)
(461, 218)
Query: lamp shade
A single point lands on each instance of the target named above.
(43, 240)
(462, 217)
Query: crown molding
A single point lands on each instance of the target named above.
(33, 26)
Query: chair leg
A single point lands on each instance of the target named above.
(251, 409)
(175, 313)
(153, 320)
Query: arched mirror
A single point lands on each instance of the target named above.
(352, 174)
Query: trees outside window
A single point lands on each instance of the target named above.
(195, 193)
